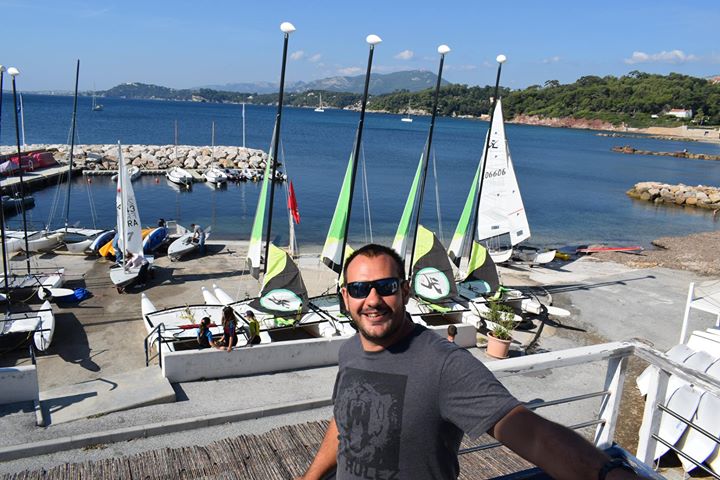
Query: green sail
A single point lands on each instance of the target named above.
(400, 243)
(457, 245)
(331, 255)
(254, 258)
(481, 267)
(283, 291)
(433, 279)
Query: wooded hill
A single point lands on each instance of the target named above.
(631, 99)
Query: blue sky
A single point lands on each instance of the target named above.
(184, 44)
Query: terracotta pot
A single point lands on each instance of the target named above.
(497, 348)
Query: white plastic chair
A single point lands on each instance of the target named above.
(706, 297)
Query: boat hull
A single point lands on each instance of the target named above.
(44, 337)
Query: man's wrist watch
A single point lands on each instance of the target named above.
(613, 464)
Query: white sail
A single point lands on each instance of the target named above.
(501, 210)
(128, 216)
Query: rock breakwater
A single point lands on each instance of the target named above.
(684, 195)
(684, 154)
(154, 157)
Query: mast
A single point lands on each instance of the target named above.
(243, 123)
(442, 50)
(473, 232)
(287, 28)
(14, 72)
(213, 140)
(2, 209)
(72, 146)
(123, 204)
(372, 40)
(22, 120)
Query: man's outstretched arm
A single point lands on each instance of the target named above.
(326, 457)
(559, 451)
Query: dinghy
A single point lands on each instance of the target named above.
(215, 176)
(41, 322)
(155, 239)
(133, 171)
(46, 328)
(128, 227)
(179, 176)
(185, 244)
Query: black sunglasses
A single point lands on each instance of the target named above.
(384, 287)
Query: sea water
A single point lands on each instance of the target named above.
(572, 185)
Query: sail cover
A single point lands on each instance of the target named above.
(432, 272)
(481, 267)
(283, 291)
(128, 216)
(400, 243)
(335, 237)
(254, 258)
(501, 208)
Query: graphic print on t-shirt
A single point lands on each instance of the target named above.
(368, 413)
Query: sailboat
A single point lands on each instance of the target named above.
(128, 227)
(214, 175)
(96, 107)
(407, 117)
(75, 240)
(320, 108)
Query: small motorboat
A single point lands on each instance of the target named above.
(179, 176)
(215, 176)
(13, 204)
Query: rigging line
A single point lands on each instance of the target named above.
(366, 193)
(437, 199)
(91, 201)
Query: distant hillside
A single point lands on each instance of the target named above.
(411, 80)
(636, 99)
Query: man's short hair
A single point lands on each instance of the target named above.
(373, 250)
(452, 330)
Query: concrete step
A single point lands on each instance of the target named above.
(114, 393)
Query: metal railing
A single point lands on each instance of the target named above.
(616, 354)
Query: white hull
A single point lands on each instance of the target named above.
(44, 242)
(121, 277)
(500, 256)
(43, 338)
(209, 297)
(134, 173)
(533, 256)
(79, 247)
(179, 176)
(406, 119)
(215, 176)
(222, 296)
(181, 247)
(56, 294)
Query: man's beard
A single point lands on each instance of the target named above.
(394, 327)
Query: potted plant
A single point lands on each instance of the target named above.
(502, 322)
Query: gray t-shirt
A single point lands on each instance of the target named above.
(401, 412)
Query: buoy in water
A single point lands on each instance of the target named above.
(157, 180)
(89, 180)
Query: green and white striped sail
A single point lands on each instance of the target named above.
(331, 255)
(283, 290)
(433, 278)
(461, 235)
(254, 258)
(482, 268)
(400, 242)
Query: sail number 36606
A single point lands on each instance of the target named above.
(496, 173)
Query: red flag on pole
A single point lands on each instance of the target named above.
(292, 204)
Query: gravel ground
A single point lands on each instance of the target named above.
(697, 253)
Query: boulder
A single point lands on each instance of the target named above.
(691, 201)
(190, 163)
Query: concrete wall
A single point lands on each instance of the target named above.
(18, 384)
(189, 365)
(465, 338)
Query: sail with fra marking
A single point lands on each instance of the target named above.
(128, 215)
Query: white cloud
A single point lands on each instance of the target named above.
(297, 55)
(349, 70)
(405, 55)
(315, 58)
(673, 56)
(554, 59)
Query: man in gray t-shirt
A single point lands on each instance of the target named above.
(404, 396)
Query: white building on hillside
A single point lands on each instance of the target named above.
(680, 113)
